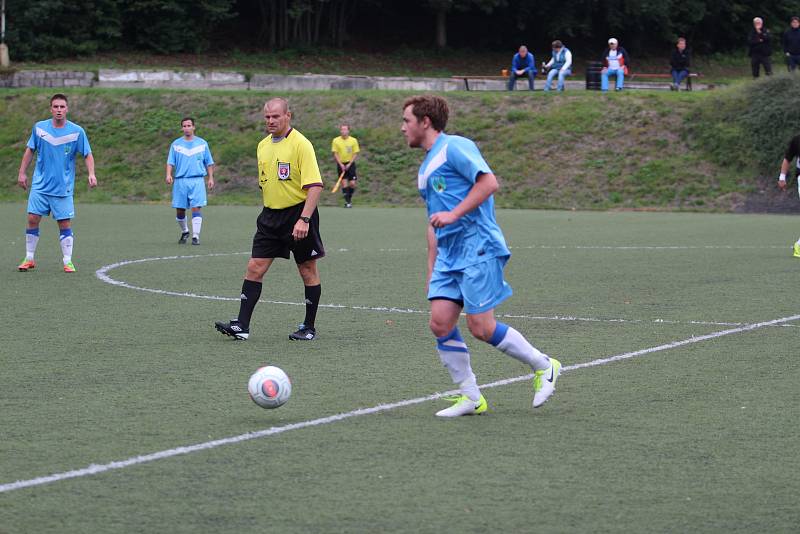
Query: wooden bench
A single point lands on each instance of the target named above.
(691, 75)
(467, 78)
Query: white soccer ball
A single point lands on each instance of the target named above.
(269, 387)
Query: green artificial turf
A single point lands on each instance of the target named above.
(693, 438)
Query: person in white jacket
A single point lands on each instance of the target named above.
(560, 65)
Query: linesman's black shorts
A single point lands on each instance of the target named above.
(349, 174)
(274, 239)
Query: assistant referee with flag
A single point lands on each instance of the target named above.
(290, 182)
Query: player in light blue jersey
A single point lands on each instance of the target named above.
(190, 160)
(466, 255)
(56, 141)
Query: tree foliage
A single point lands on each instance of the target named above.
(43, 29)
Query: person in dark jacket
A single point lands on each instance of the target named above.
(791, 44)
(680, 62)
(760, 43)
(522, 64)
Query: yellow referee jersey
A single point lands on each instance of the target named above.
(286, 169)
(345, 148)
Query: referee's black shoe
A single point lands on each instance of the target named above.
(303, 333)
(233, 329)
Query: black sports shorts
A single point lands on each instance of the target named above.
(349, 174)
(274, 239)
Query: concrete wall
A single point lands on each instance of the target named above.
(268, 82)
(46, 78)
(172, 79)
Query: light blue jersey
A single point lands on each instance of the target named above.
(55, 148)
(189, 158)
(445, 179)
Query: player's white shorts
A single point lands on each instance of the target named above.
(479, 287)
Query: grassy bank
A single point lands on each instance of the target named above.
(579, 150)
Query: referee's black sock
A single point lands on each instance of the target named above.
(312, 303)
(251, 292)
(350, 195)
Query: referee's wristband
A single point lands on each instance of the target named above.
(782, 177)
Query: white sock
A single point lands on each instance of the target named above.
(31, 240)
(798, 241)
(197, 222)
(182, 224)
(515, 345)
(454, 355)
(66, 248)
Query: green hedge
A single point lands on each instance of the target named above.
(749, 126)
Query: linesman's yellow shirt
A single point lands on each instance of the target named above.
(345, 148)
(286, 169)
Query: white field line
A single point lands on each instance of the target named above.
(613, 247)
(95, 469)
(102, 274)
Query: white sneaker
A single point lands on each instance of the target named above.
(544, 383)
(464, 406)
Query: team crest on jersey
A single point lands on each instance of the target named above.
(438, 184)
(283, 171)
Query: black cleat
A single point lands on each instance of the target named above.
(303, 333)
(195, 241)
(184, 238)
(233, 329)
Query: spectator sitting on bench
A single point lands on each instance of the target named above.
(680, 62)
(615, 61)
(559, 65)
(523, 64)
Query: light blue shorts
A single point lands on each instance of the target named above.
(479, 287)
(189, 193)
(62, 208)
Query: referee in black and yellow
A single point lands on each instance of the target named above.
(290, 182)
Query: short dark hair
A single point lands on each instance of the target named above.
(58, 96)
(431, 106)
(557, 44)
(187, 119)
(794, 19)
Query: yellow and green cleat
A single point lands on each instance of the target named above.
(69, 268)
(544, 382)
(796, 250)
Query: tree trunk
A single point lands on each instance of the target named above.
(273, 25)
(341, 30)
(441, 28)
(317, 21)
(284, 39)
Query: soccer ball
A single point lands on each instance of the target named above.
(269, 387)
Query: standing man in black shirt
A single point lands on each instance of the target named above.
(791, 44)
(760, 43)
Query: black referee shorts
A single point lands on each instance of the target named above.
(274, 239)
(349, 174)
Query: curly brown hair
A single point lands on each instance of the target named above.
(431, 106)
